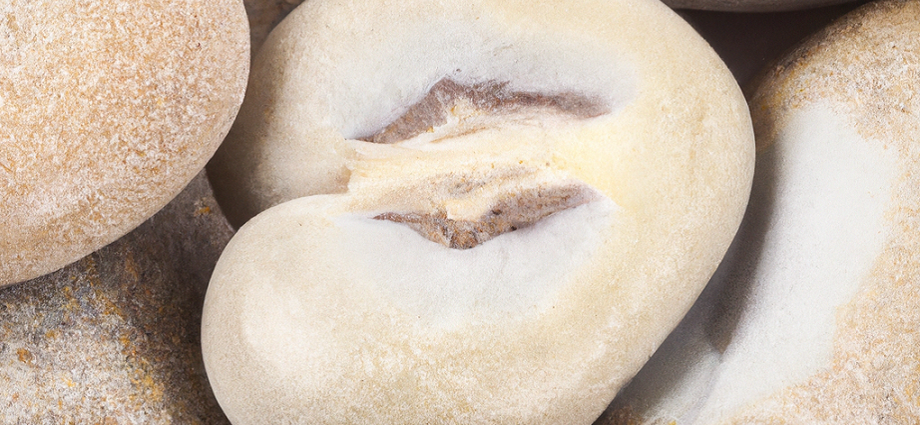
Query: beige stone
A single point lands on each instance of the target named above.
(106, 111)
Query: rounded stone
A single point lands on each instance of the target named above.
(489, 198)
(107, 110)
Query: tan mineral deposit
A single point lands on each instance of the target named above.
(493, 212)
(114, 338)
(107, 110)
(814, 316)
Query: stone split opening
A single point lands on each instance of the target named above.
(510, 212)
(448, 98)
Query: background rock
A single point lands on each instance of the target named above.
(264, 15)
(114, 337)
(748, 42)
(751, 5)
(859, 363)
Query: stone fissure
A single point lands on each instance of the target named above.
(448, 97)
(511, 212)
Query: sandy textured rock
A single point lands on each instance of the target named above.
(114, 337)
(814, 318)
(107, 109)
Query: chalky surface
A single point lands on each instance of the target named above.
(114, 337)
(874, 376)
(861, 72)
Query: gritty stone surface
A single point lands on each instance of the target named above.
(107, 109)
(114, 337)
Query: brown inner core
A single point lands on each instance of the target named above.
(511, 212)
(491, 98)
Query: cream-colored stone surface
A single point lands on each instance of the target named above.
(328, 308)
(106, 111)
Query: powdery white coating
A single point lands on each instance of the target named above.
(469, 47)
(823, 226)
(375, 344)
(825, 230)
(298, 328)
(106, 111)
(515, 272)
(851, 334)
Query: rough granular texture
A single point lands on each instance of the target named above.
(114, 337)
(107, 109)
